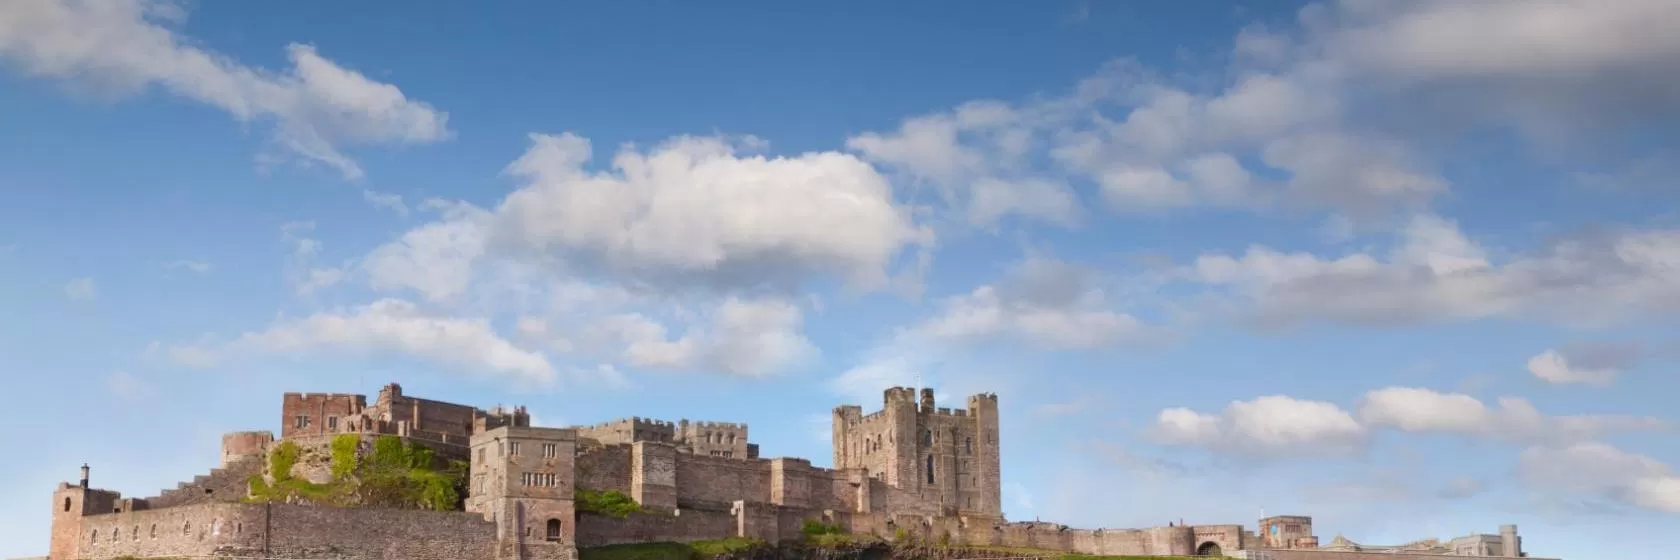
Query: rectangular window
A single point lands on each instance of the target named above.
(513, 449)
(332, 423)
(551, 451)
(300, 422)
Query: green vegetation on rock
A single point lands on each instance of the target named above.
(395, 474)
(611, 503)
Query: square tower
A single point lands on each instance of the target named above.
(950, 458)
(522, 479)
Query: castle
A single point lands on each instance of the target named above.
(910, 470)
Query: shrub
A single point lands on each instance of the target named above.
(812, 528)
(281, 460)
(344, 454)
(611, 503)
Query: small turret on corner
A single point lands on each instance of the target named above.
(927, 400)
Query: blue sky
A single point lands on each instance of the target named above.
(1411, 269)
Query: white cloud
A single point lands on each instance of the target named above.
(389, 201)
(1050, 303)
(125, 45)
(1435, 273)
(392, 326)
(1422, 410)
(694, 207)
(974, 157)
(300, 269)
(742, 337)
(1604, 471)
(1273, 425)
(436, 259)
(1552, 367)
(80, 289)
(1594, 363)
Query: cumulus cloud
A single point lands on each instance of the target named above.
(1591, 364)
(1436, 273)
(742, 337)
(1278, 424)
(80, 289)
(1602, 471)
(975, 157)
(1272, 425)
(1045, 301)
(1515, 419)
(696, 207)
(392, 326)
(316, 106)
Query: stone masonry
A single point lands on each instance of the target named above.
(909, 470)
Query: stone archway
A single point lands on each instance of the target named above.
(1209, 548)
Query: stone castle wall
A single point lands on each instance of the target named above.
(287, 531)
(1301, 554)
(228, 482)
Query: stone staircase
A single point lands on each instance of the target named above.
(225, 484)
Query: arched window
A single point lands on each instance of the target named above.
(95, 539)
(116, 533)
(554, 530)
(154, 531)
(216, 528)
(927, 437)
(186, 529)
(930, 469)
(67, 504)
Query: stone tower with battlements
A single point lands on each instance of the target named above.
(948, 457)
(522, 480)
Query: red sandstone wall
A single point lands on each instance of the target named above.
(691, 525)
(604, 468)
(715, 482)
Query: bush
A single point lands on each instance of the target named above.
(611, 503)
(344, 454)
(281, 460)
(812, 528)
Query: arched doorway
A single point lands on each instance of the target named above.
(1209, 548)
(553, 530)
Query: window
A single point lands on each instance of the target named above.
(332, 423)
(554, 530)
(551, 450)
(481, 454)
(154, 531)
(135, 533)
(930, 469)
(186, 528)
(968, 446)
(300, 422)
(67, 504)
(115, 534)
(927, 437)
(95, 539)
(513, 449)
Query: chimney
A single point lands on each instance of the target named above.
(84, 476)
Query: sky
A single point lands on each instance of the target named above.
(1411, 268)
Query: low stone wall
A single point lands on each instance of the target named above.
(687, 526)
(1305, 554)
(288, 531)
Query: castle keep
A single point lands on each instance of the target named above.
(911, 469)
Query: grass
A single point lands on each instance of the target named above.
(698, 550)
